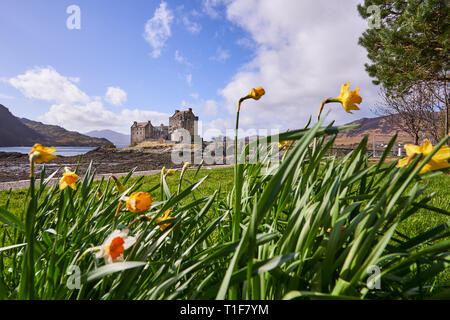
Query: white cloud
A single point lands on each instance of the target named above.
(210, 107)
(73, 109)
(195, 13)
(184, 104)
(246, 43)
(115, 96)
(216, 127)
(189, 79)
(157, 29)
(211, 7)
(6, 97)
(221, 55)
(74, 79)
(194, 95)
(182, 60)
(93, 116)
(305, 50)
(47, 84)
(192, 26)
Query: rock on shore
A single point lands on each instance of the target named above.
(15, 166)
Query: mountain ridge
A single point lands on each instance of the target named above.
(380, 129)
(15, 132)
(119, 139)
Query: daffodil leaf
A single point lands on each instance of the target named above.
(113, 268)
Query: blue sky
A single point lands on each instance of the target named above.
(157, 56)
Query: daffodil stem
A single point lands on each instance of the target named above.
(236, 219)
(139, 218)
(321, 107)
(26, 287)
(237, 184)
(31, 168)
(119, 206)
(162, 188)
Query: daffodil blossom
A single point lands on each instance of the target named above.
(164, 217)
(139, 202)
(40, 154)
(438, 161)
(113, 247)
(68, 179)
(348, 99)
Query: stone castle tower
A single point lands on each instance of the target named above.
(141, 131)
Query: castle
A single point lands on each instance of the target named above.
(141, 131)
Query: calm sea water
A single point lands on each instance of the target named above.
(60, 151)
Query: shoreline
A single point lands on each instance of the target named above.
(14, 166)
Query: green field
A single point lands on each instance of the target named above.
(222, 178)
(310, 227)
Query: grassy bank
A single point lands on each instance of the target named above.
(217, 178)
(311, 227)
(222, 179)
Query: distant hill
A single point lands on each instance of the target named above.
(58, 136)
(119, 139)
(382, 128)
(15, 133)
(23, 132)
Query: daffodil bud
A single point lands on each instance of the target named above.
(185, 167)
(119, 185)
(257, 93)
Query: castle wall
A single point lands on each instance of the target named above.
(160, 132)
(140, 132)
(183, 120)
(180, 120)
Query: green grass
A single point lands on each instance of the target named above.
(424, 219)
(222, 178)
(219, 178)
(309, 228)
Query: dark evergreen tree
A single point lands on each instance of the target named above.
(410, 44)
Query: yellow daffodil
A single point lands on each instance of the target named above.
(257, 93)
(347, 98)
(68, 179)
(284, 144)
(440, 159)
(139, 202)
(113, 247)
(40, 154)
(170, 172)
(164, 217)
